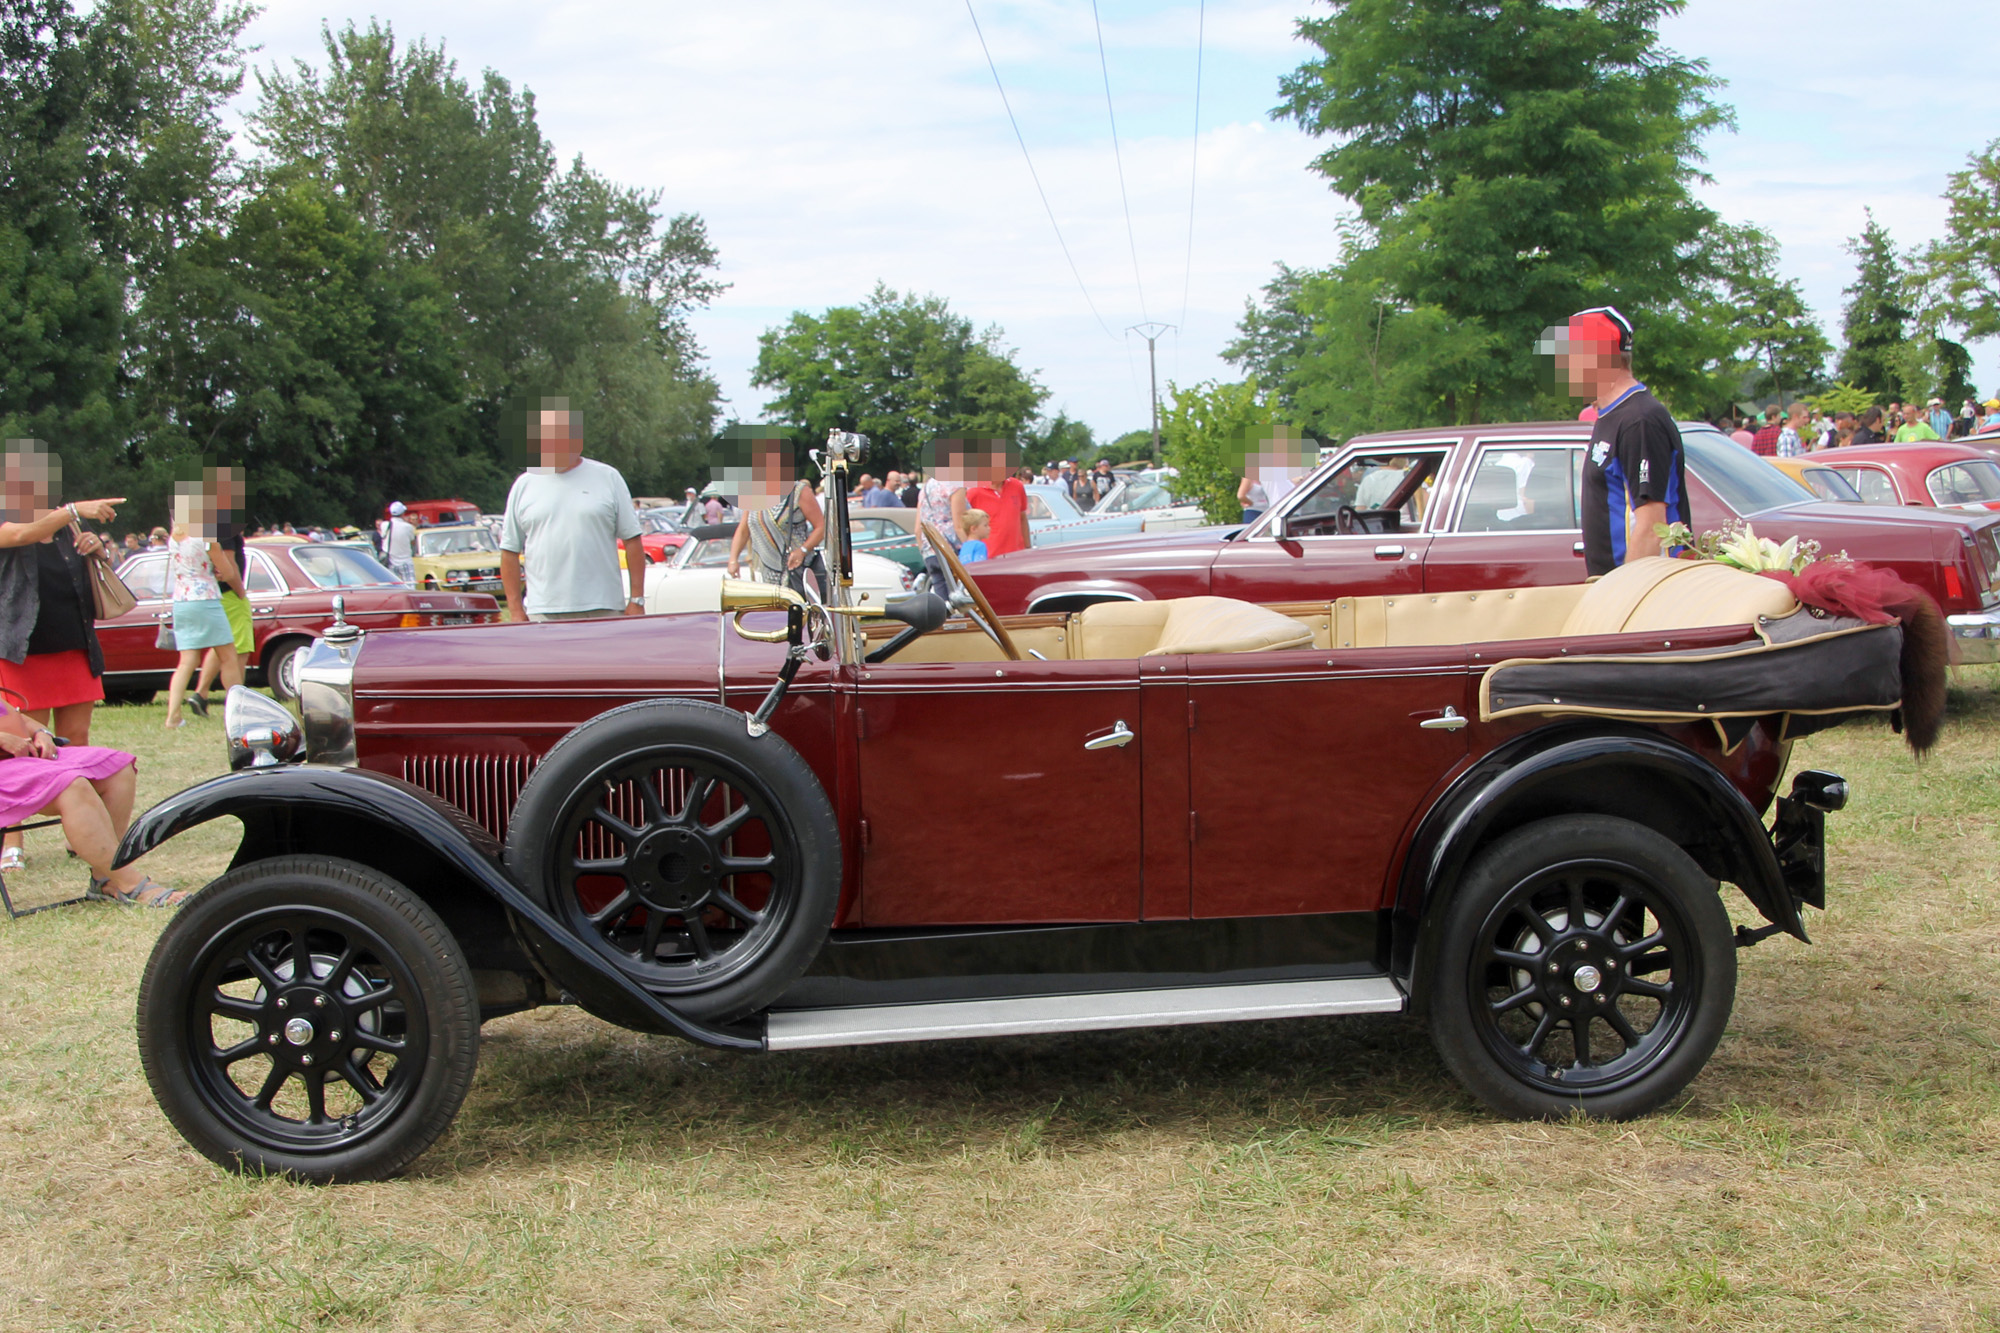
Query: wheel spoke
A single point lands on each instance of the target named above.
(1579, 1032)
(1540, 1034)
(1578, 916)
(375, 1041)
(615, 865)
(1514, 958)
(649, 797)
(315, 1081)
(235, 1006)
(728, 903)
(242, 1050)
(373, 999)
(341, 966)
(272, 1083)
(744, 865)
(1622, 1026)
(1538, 923)
(698, 935)
(262, 971)
(622, 903)
(697, 796)
(1616, 914)
(1637, 947)
(1513, 1002)
(618, 826)
(656, 921)
(302, 963)
(1650, 989)
(360, 1080)
(728, 824)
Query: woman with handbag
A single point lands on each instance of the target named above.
(50, 663)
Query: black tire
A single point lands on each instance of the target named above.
(326, 1103)
(280, 664)
(716, 905)
(1517, 980)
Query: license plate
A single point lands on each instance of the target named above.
(465, 618)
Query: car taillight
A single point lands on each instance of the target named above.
(411, 619)
(1954, 586)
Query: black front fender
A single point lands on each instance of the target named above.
(1569, 771)
(277, 795)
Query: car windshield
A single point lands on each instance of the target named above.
(1965, 483)
(454, 541)
(712, 553)
(657, 520)
(341, 567)
(1133, 496)
(1739, 478)
(1830, 485)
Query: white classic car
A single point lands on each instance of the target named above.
(692, 580)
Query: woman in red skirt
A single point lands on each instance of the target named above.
(51, 667)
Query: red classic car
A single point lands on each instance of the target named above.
(788, 825)
(1944, 476)
(292, 586)
(431, 513)
(1493, 507)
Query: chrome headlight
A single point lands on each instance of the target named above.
(260, 731)
(326, 696)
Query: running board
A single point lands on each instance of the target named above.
(869, 1025)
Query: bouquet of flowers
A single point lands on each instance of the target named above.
(1739, 546)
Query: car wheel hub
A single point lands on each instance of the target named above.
(678, 869)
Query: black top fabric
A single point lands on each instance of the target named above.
(60, 625)
(1635, 459)
(230, 537)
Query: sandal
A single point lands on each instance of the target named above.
(199, 703)
(99, 891)
(162, 896)
(12, 859)
(176, 724)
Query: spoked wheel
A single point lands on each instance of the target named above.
(700, 859)
(1587, 964)
(308, 1016)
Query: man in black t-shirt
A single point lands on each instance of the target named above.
(1635, 475)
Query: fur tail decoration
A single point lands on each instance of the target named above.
(1880, 597)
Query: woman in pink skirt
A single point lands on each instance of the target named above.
(89, 788)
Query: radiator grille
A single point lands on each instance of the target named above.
(485, 786)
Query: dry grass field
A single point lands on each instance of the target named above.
(1837, 1166)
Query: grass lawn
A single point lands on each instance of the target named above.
(1836, 1166)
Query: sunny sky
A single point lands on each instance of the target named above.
(830, 146)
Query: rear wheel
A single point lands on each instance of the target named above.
(310, 1017)
(703, 861)
(281, 668)
(1586, 964)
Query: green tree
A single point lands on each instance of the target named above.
(1131, 446)
(1055, 438)
(902, 370)
(1786, 349)
(1511, 163)
(1875, 321)
(1966, 263)
(1202, 431)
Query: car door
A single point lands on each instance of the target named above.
(1872, 483)
(1317, 561)
(266, 589)
(1513, 521)
(1000, 792)
(127, 640)
(1306, 767)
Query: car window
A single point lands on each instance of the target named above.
(263, 578)
(341, 567)
(454, 541)
(1038, 507)
(145, 575)
(1965, 483)
(875, 529)
(712, 553)
(1521, 490)
(1135, 496)
(1828, 484)
(1872, 485)
(657, 520)
(1740, 479)
(1366, 484)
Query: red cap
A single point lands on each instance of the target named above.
(1601, 326)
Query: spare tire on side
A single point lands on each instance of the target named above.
(701, 860)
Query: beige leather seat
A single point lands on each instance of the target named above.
(1182, 625)
(1659, 593)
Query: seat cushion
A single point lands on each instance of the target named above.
(1659, 593)
(1109, 630)
(1224, 625)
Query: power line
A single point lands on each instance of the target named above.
(1118, 157)
(1194, 158)
(1034, 176)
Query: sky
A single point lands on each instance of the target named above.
(830, 147)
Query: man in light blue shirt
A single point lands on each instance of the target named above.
(566, 518)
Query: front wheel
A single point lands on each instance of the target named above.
(281, 669)
(309, 1017)
(1586, 964)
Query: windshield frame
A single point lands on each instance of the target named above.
(477, 531)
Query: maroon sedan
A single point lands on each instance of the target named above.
(784, 825)
(292, 586)
(1467, 507)
(1935, 474)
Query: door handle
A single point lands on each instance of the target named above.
(1388, 551)
(262, 610)
(1120, 734)
(1448, 721)
(1576, 549)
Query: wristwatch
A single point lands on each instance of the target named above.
(635, 601)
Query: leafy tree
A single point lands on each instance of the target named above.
(1787, 349)
(1878, 312)
(1966, 263)
(1842, 397)
(1133, 444)
(902, 370)
(1202, 431)
(1511, 163)
(1056, 438)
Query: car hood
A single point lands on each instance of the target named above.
(1823, 514)
(1150, 546)
(461, 560)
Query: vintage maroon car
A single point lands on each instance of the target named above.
(786, 825)
(1934, 474)
(292, 586)
(1493, 507)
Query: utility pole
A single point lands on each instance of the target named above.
(1153, 374)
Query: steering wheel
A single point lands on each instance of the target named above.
(982, 609)
(1346, 520)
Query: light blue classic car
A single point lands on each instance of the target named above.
(1137, 504)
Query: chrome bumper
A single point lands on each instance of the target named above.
(1978, 635)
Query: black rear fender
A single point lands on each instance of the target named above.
(432, 849)
(1626, 773)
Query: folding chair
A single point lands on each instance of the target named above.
(7, 900)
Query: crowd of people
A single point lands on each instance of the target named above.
(1788, 431)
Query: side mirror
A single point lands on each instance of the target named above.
(1281, 529)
